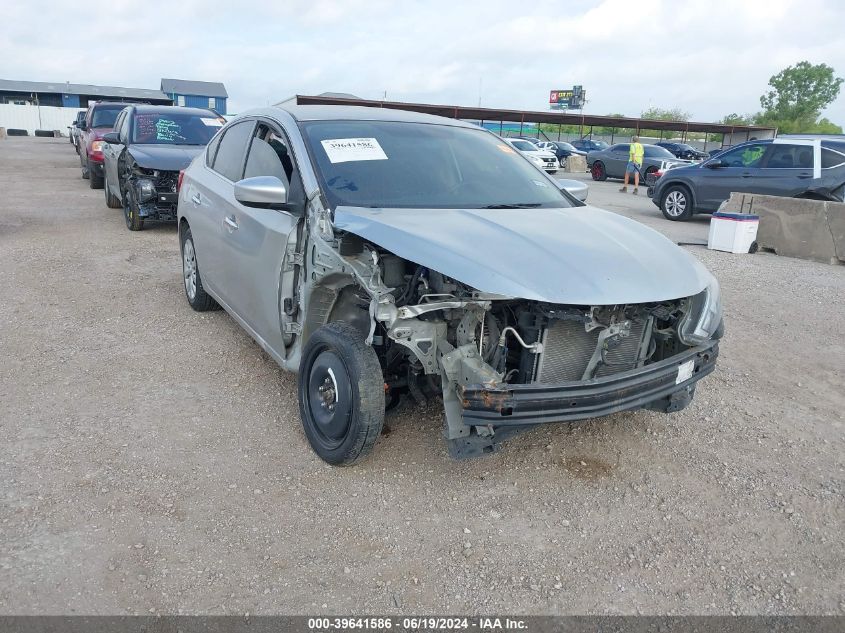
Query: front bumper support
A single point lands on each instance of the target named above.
(517, 405)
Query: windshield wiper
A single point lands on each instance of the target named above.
(523, 205)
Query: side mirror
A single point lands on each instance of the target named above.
(112, 138)
(261, 191)
(83, 126)
(715, 164)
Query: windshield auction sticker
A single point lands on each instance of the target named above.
(344, 150)
(211, 122)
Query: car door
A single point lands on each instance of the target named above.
(617, 160)
(210, 198)
(111, 152)
(788, 169)
(256, 239)
(739, 172)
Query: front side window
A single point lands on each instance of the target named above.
(621, 149)
(745, 156)
(174, 128)
(417, 165)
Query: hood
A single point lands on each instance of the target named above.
(164, 157)
(579, 255)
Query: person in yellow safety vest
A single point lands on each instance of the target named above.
(635, 163)
(752, 154)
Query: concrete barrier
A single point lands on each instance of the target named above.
(575, 164)
(2, 132)
(795, 227)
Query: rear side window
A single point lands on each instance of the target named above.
(212, 150)
(831, 158)
(229, 161)
(790, 157)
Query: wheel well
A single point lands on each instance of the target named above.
(683, 186)
(813, 195)
(183, 224)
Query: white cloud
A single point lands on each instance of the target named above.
(710, 57)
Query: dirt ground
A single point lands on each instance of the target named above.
(154, 460)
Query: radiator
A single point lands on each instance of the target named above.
(567, 349)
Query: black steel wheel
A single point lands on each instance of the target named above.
(131, 212)
(341, 394)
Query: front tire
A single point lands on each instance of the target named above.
(131, 211)
(598, 171)
(341, 394)
(197, 297)
(676, 203)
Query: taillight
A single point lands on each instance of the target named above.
(179, 180)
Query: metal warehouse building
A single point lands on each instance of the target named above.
(203, 94)
(196, 94)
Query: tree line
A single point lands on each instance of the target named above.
(793, 104)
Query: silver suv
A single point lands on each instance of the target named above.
(385, 254)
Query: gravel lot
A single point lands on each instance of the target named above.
(154, 459)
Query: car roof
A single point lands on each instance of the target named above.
(160, 109)
(359, 113)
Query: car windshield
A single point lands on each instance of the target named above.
(525, 146)
(652, 151)
(686, 147)
(420, 165)
(174, 128)
(105, 116)
(599, 144)
(565, 146)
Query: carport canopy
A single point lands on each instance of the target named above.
(584, 121)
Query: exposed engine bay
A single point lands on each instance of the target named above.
(437, 337)
(153, 190)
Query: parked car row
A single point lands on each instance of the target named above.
(385, 254)
(135, 153)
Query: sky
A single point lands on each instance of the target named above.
(707, 57)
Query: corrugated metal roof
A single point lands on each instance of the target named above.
(81, 89)
(188, 87)
(525, 116)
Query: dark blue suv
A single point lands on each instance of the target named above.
(801, 168)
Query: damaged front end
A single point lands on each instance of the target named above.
(154, 192)
(504, 364)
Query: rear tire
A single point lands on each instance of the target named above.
(197, 297)
(341, 394)
(598, 171)
(83, 163)
(676, 203)
(112, 202)
(94, 181)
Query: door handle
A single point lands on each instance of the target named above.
(805, 175)
(230, 222)
(196, 199)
